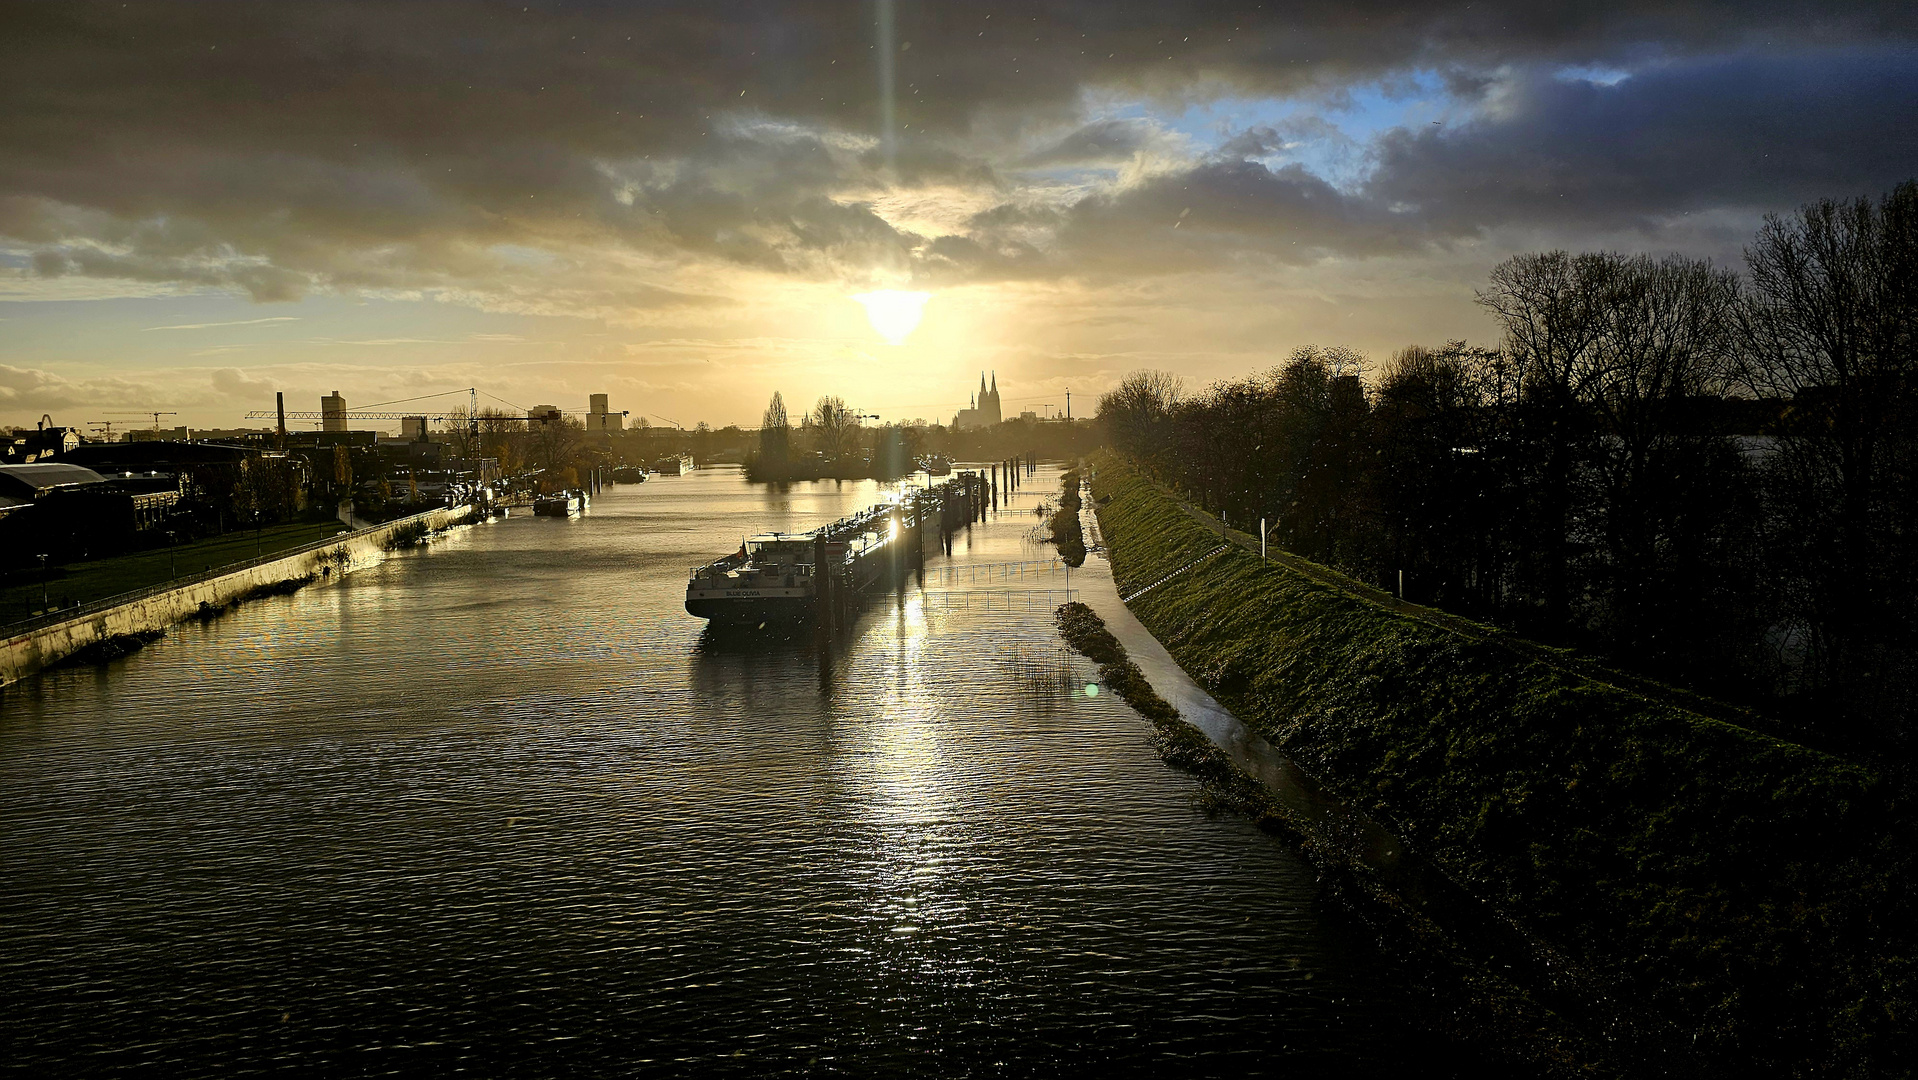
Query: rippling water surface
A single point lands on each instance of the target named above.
(500, 807)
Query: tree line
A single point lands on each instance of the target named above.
(1703, 475)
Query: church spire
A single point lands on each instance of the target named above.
(995, 382)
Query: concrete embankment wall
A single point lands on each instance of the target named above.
(1703, 900)
(29, 651)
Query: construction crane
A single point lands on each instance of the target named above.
(155, 413)
(471, 415)
(104, 427)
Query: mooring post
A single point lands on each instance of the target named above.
(821, 582)
(1261, 539)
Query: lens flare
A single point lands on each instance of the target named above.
(893, 313)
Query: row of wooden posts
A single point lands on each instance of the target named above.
(1009, 476)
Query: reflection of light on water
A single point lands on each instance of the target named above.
(906, 786)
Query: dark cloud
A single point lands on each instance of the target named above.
(1098, 143)
(281, 148)
(1760, 131)
(1194, 218)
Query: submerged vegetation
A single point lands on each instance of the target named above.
(1707, 900)
(1064, 522)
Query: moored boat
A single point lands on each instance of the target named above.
(775, 577)
(674, 465)
(560, 504)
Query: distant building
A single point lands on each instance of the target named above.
(544, 414)
(63, 511)
(42, 444)
(182, 433)
(599, 418)
(984, 412)
(23, 485)
(333, 412)
(413, 428)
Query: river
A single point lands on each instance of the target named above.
(500, 806)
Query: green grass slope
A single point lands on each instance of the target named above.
(1714, 901)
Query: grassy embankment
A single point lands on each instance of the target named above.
(100, 578)
(1705, 900)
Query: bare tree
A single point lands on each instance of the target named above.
(1831, 315)
(1551, 307)
(460, 432)
(1137, 413)
(1668, 337)
(835, 430)
(503, 436)
(555, 443)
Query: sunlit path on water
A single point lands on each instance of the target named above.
(502, 805)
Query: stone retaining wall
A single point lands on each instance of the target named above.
(28, 652)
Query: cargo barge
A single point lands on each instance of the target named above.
(803, 577)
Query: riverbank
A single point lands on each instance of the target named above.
(1699, 899)
(96, 579)
(117, 624)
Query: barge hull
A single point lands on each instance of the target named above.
(751, 611)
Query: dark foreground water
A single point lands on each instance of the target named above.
(499, 808)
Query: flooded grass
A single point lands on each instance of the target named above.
(1223, 785)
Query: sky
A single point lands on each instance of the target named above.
(675, 203)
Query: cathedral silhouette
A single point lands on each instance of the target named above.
(984, 411)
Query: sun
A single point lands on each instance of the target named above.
(893, 313)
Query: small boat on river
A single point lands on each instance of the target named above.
(629, 474)
(675, 465)
(560, 504)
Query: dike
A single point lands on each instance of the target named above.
(115, 626)
(1699, 899)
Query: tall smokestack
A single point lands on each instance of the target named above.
(279, 402)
